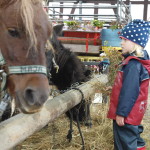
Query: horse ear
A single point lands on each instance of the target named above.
(58, 29)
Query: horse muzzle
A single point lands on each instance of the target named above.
(29, 90)
(31, 99)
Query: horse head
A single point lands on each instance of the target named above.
(24, 30)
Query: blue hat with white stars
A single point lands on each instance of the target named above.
(137, 31)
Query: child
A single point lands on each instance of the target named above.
(129, 95)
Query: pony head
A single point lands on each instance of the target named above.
(24, 30)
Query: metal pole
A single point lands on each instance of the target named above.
(130, 13)
(120, 6)
(80, 10)
(118, 20)
(53, 13)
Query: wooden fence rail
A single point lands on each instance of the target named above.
(18, 128)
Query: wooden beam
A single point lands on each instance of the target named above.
(74, 40)
(145, 10)
(84, 1)
(61, 10)
(107, 1)
(96, 11)
(78, 48)
(18, 128)
(139, 2)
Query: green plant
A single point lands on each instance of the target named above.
(97, 23)
(73, 24)
(116, 25)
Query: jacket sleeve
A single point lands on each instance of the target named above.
(130, 88)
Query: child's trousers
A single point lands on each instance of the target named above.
(127, 137)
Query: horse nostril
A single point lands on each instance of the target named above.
(30, 96)
(35, 97)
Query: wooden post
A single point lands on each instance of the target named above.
(18, 128)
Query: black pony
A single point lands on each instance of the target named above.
(71, 71)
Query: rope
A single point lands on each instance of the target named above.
(88, 121)
(70, 131)
(87, 115)
(78, 124)
(82, 99)
(55, 65)
(69, 136)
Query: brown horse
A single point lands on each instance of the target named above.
(24, 30)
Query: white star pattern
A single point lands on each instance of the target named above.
(137, 31)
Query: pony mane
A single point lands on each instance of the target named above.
(27, 15)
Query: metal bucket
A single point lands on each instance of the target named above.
(110, 37)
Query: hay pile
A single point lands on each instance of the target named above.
(99, 137)
(146, 124)
(53, 136)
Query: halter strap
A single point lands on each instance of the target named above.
(23, 69)
(27, 69)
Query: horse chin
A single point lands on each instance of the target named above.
(24, 107)
(26, 110)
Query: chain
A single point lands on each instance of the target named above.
(56, 92)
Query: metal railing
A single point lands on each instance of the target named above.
(122, 12)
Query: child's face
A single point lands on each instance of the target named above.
(127, 46)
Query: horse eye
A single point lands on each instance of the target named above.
(13, 32)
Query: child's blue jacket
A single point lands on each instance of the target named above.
(130, 91)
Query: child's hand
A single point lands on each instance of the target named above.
(108, 88)
(120, 120)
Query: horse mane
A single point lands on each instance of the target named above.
(71, 69)
(27, 15)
